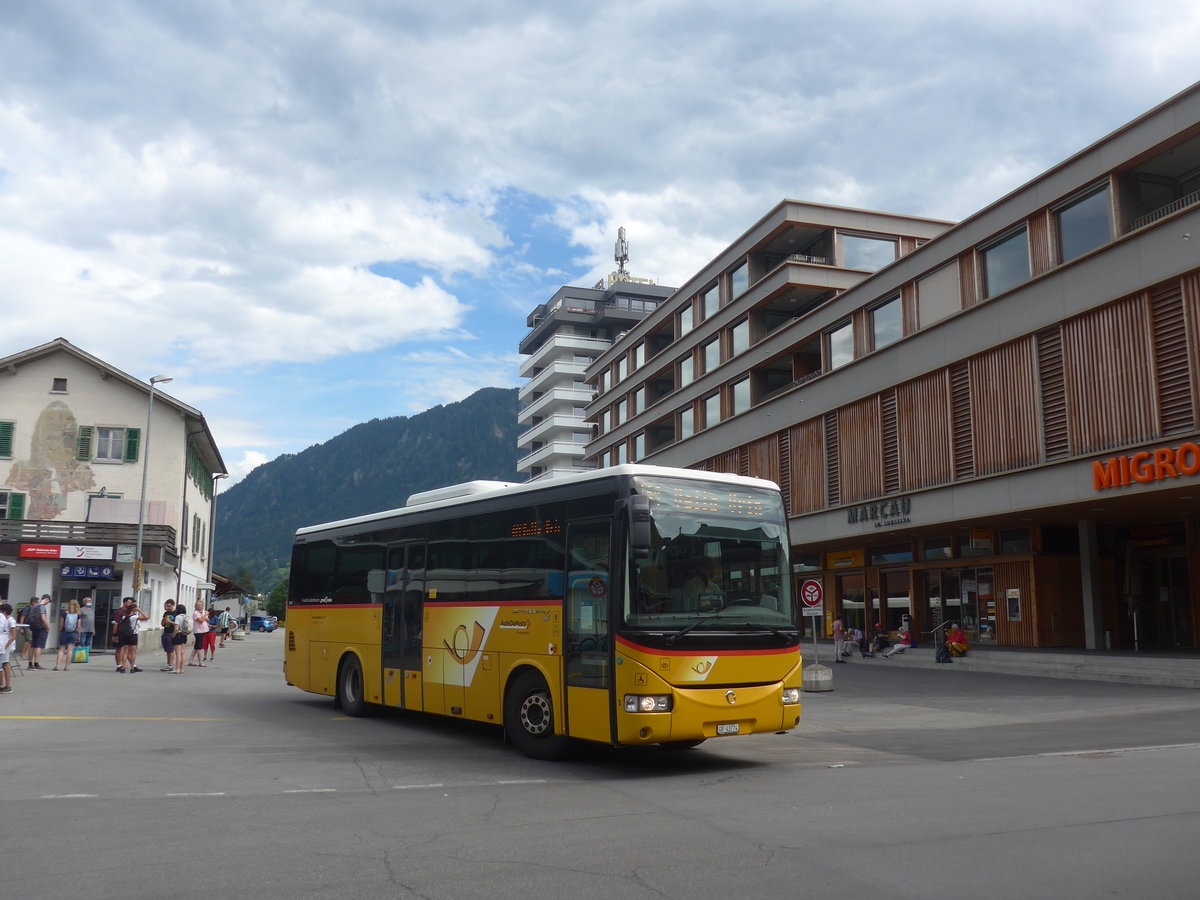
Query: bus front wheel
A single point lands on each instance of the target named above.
(529, 718)
(350, 697)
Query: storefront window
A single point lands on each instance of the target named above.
(896, 599)
(937, 548)
(891, 554)
(1014, 540)
(851, 596)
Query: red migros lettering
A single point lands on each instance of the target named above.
(1145, 466)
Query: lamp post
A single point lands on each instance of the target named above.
(138, 563)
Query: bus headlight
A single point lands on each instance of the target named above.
(647, 703)
(791, 696)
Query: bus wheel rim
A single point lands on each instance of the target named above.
(536, 714)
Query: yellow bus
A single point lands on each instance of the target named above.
(633, 605)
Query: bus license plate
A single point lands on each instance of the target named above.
(729, 728)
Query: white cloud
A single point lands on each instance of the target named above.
(218, 189)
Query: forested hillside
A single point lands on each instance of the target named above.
(373, 466)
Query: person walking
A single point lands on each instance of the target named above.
(168, 635)
(87, 622)
(225, 622)
(200, 627)
(8, 645)
(839, 639)
(38, 620)
(125, 635)
(68, 635)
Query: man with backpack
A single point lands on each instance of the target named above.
(38, 621)
(125, 635)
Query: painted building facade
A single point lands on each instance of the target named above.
(73, 456)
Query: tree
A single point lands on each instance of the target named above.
(276, 604)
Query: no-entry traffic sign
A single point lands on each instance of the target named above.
(810, 596)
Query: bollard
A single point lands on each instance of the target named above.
(817, 678)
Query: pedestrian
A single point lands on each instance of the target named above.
(8, 644)
(210, 639)
(68, 635)
(903, 642)
(125, 635)
(168, 635)
(225, 621)
(183, 627)
(839, 639)
(23, 629)
(200, 627)
(87, 622)
(37, 618)
(956, 640)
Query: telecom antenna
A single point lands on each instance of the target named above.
(621, 252)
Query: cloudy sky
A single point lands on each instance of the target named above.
(311, 214)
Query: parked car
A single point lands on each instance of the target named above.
(263, 623)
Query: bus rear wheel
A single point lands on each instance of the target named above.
(350, 697)
(529, 718)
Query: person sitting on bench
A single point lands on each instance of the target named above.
(956, 640)
(903, 642)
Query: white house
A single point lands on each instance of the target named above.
(81, 444)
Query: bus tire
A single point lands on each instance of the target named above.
(351, 695)
(529, 718)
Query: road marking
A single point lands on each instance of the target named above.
(212, 794)
(70, 796)
(414, 787)
(312, 791)
(523, 781)
(1095, 752)
(115, 718)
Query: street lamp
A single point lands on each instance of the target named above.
(137, 566)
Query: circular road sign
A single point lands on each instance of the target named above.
(810, 593)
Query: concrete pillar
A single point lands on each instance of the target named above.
(1089, 578)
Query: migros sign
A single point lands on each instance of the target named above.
(1147, 466)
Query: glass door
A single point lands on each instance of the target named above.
(587, 651)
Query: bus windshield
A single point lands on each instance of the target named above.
(718, 557)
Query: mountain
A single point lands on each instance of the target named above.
(371, 467)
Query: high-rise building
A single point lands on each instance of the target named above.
(566, 335)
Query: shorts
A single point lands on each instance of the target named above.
(199, 645)
(179, 639)
(210, 641)
(168, 641)
(67, 638)
(131, 641)
(37, 638)
(3, 658)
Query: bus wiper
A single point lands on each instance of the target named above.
(771, 628)
(686, 628)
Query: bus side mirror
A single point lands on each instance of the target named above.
(639, 526)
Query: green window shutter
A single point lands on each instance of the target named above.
(6, 438)
(133, 437)
(16, 506)
(83, 447)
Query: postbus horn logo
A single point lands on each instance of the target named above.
(464, 654)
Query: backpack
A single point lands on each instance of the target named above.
(943, 655)
(72, 622)
(126, 627)
(183, 622)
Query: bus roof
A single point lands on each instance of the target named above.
(478, 490)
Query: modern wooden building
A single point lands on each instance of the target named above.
(1000, 426)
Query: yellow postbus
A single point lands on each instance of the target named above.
(633, 605)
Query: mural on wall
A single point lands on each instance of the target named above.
(52, 471)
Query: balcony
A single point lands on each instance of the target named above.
(558, 399)
(553, 375)
(556, 453)
(29, 531)
(562, 346)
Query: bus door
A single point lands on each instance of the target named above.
(587, 651)
(403, 612)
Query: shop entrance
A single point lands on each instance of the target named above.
(955, 595)
(103, 602)
(1164, 603)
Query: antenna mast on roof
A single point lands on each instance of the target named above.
(621, 253)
